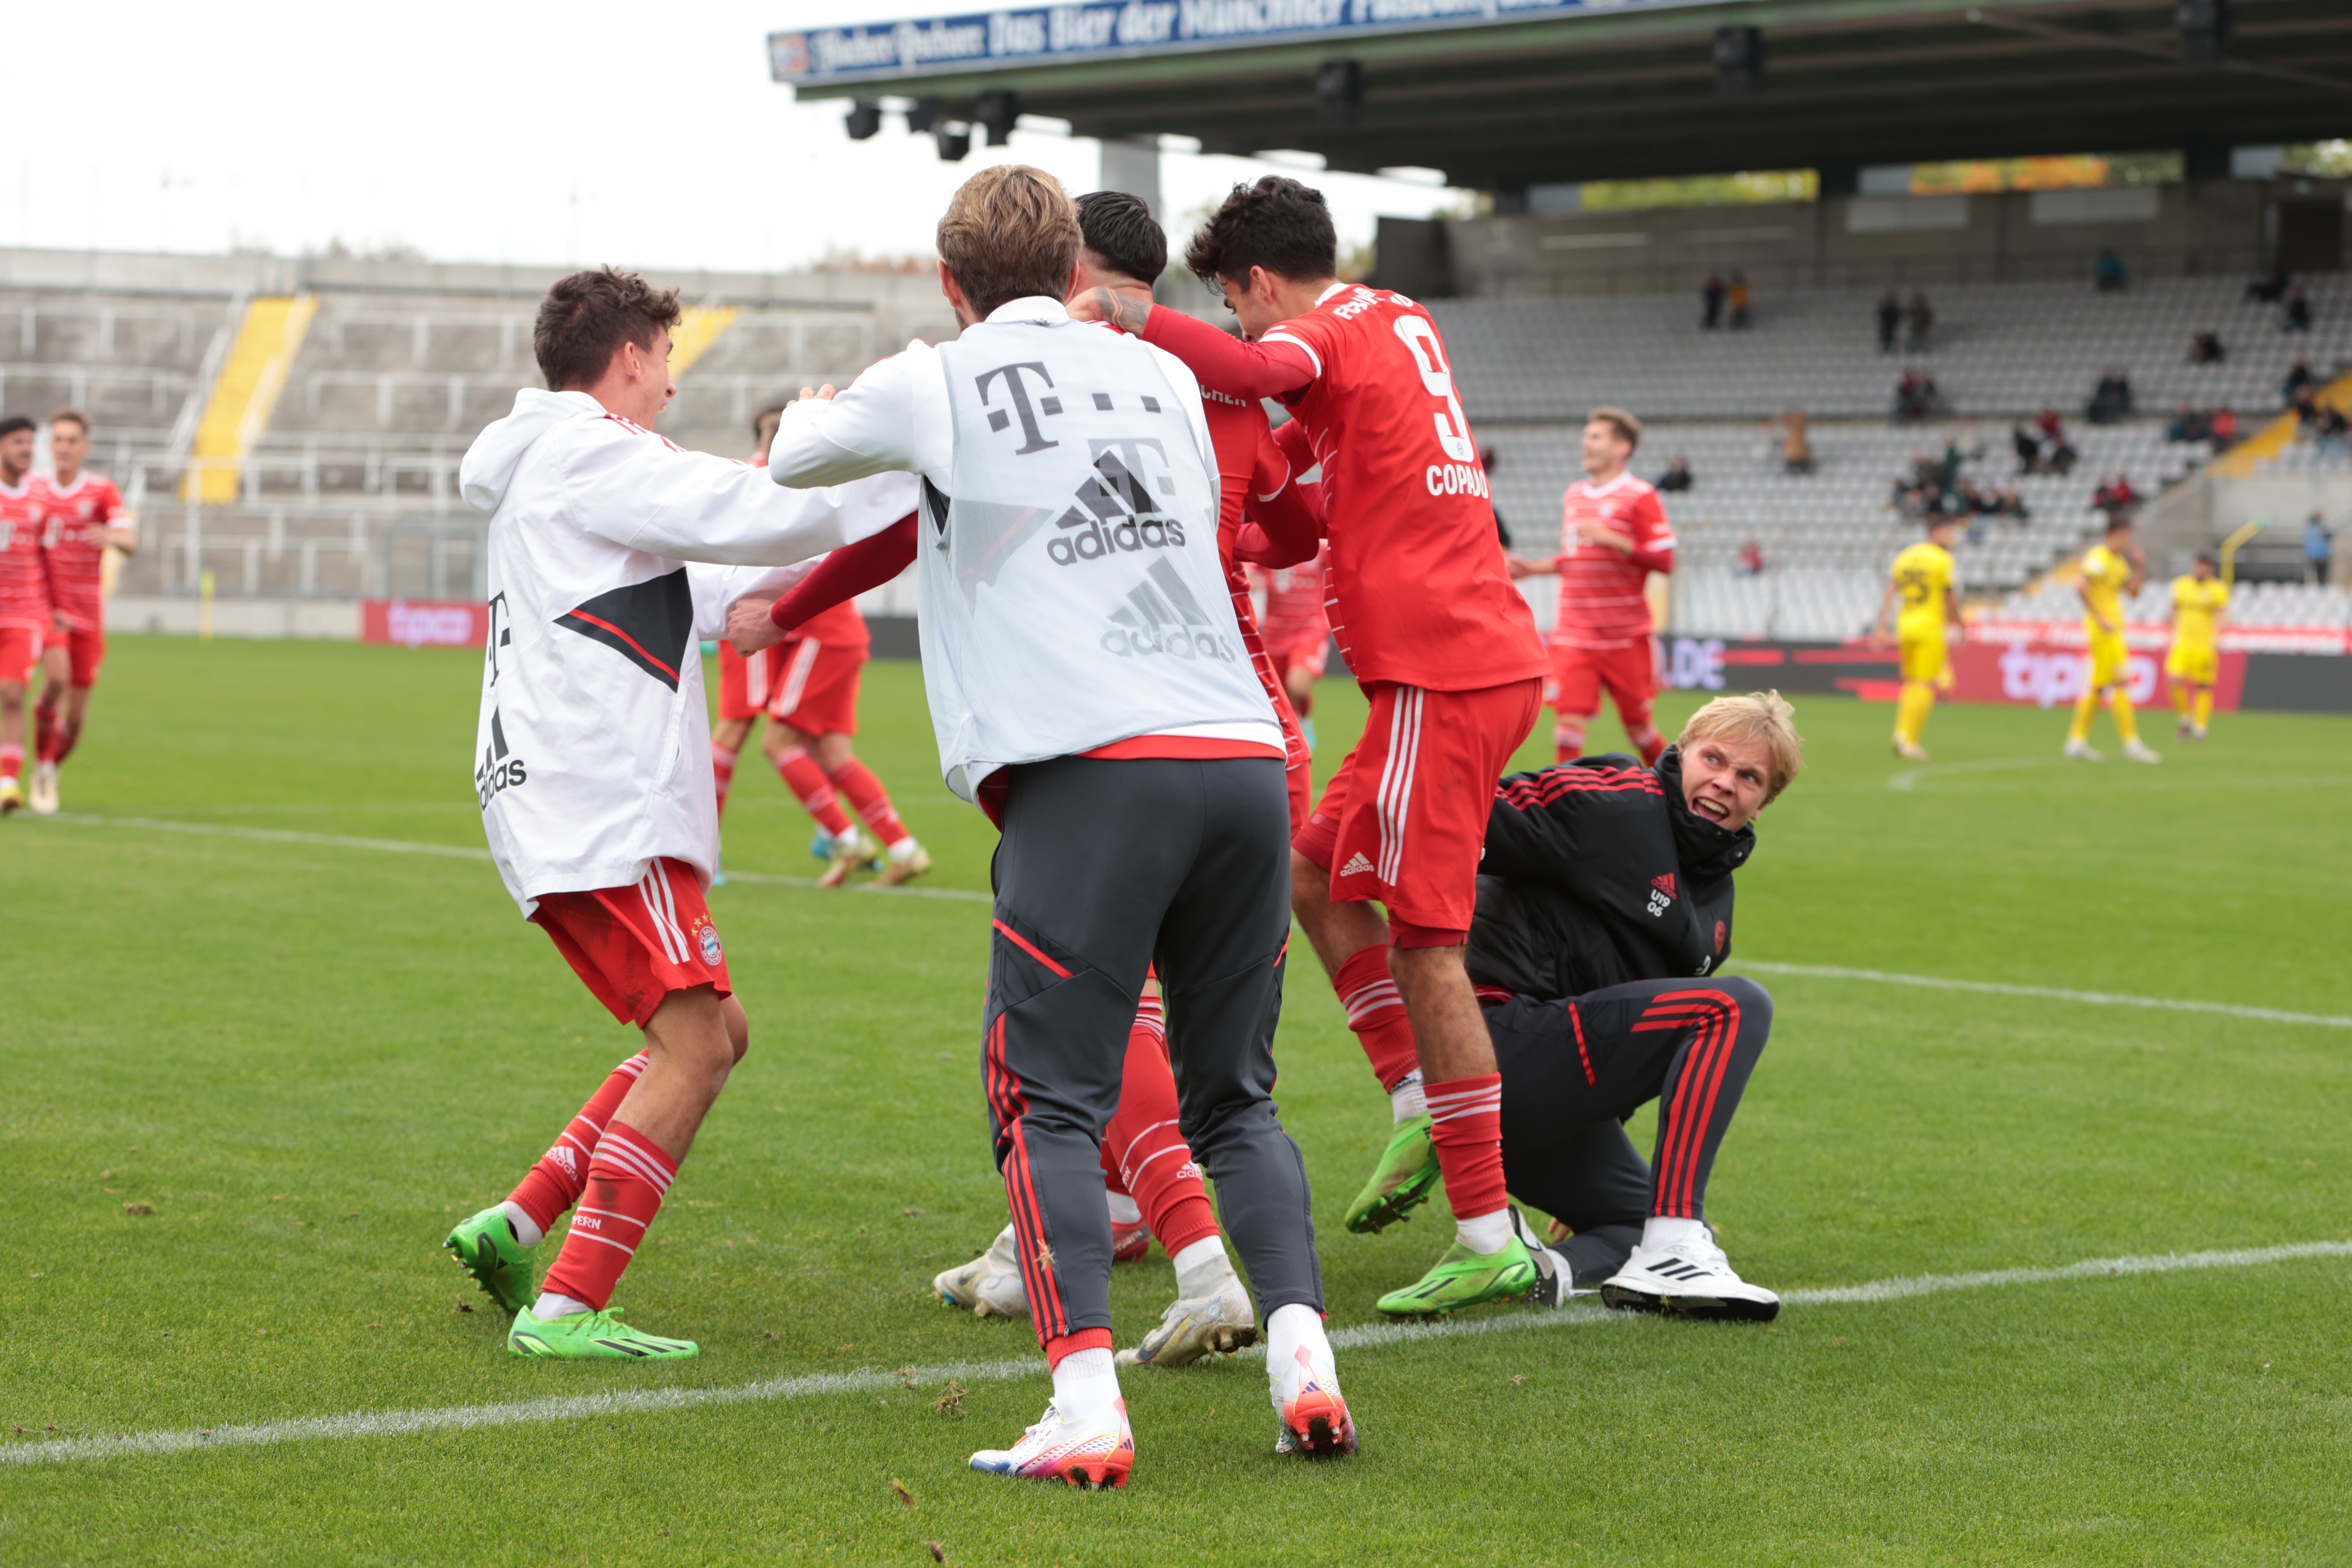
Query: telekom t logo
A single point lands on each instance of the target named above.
(1033, 438)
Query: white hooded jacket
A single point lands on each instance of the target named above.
(590, 756)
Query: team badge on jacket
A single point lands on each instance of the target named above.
(706, 935)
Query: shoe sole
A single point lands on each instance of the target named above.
(1230, 1339)
(1326, 1434)
(484, 1273)
(1698, 1309)
(1400, 1201)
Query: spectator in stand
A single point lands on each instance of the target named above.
(2205, 347)
(2296, 315)
(1740, 300)
(2318, 548)
(1751, 559)
(2298, 376)
(2187, 424)
(1919, 319)
(1710, 304)
(2107, 274)
(2333, 429)
(1796, 445)
(1916, 398)
(1890, 318)
(1677, 475)
(2221, 429)
(2305, 405)
(2115, 496)
(2011, 505)
(2111, 400)
(2270, 288)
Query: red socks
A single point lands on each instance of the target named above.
(870, 800)
(1144, 1147)
(1567, 740)
(625, 1183)
(555, 1183)
(1376, 1012)
(1466, 1125)
(47, 735)
(12, 761)
(1650, 743)
(807, 780)
(723, 771)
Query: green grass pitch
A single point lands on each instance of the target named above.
(306, 1057)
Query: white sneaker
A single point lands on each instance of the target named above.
(2080, 751)
(1096, 1453)
(1910, 751)
(2138, 752)
(1688, 1279)
(989, 1285)
(1190, 1329)
(44, 789)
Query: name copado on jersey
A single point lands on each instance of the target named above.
(1071, 579)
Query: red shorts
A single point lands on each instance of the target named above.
(1304, 653)
(20, 649)
(85, 650)
(1404, 820)
(816, 688)
(745, 685)
(1629, 673)
(634, 946)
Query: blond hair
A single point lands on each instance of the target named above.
(70, 416)
(1764, 717)
(1629, 429)
(1009, 232)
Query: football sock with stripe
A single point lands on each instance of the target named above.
(1648, 741)
(1144, 1148)
(625, 1183)
(807, 782)
(1376, 1013)
(553, 1185)
(1466, 1126)
(723, 771)
(870, 800)
(1567, 740)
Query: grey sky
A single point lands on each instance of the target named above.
(581, 132)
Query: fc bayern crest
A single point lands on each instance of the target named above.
(712, 953)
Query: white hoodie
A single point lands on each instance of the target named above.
(590, 756)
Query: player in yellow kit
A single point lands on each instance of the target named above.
(2110, 572)
(2201, 607)
(1922, 582)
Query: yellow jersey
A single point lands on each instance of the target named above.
(2104, 573)
(1923, 578)
(2195, 602)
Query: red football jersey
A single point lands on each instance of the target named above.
(1294, 602)
(1419, 592)
(73, 535)
(24, 571)
(1249, 464)
(1601, 603)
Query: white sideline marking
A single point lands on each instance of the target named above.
(1367, 1336)
(1996, 988)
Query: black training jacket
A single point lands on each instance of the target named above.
(1596, 874)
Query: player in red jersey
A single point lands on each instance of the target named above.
(1445, 648)
(1297, 632)
(1612, 534)
(83, 517)
(25, 613)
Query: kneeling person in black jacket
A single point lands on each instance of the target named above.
(1604, 911)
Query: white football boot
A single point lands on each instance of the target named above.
(1198, 1326)
(44, 789)
(989, 1285)
(1086, 1454)
(2081, 751)
(2136, 751)
(1314, 1418)
(1689, 1279)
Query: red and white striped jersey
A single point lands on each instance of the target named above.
(24, 571)
(1600, 591)
(73, 536)
(1294, 602)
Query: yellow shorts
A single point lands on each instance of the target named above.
(2193, 664)
(1924, 658)
(2110, 659)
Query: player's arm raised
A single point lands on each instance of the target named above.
(1276, 367)
(692, 506)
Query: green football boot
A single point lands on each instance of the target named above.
(592, 1336)
(485, 1248)
(1465, 1278)
(1403, 1179)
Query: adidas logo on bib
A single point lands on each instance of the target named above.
(1357, 865)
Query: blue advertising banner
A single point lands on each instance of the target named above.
(1041, 34)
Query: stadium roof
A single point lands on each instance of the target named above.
(1500, 94)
